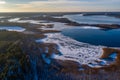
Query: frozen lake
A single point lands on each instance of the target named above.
(95, 19)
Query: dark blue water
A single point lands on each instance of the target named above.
(109, 38)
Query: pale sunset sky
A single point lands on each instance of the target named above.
(59, 5)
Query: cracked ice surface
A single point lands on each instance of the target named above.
(73, 50)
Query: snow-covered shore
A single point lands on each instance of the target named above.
(73, 50)
(83, 53)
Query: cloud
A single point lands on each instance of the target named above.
(60, 5)
(2, 2)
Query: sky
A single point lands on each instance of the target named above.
(59, 5)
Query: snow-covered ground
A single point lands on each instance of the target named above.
(13, 19)
(14, 28)
(60, 26)
(26, 21)
(56, 26)
(2, 17)
(74, 50)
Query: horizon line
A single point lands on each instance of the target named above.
(60, 12)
